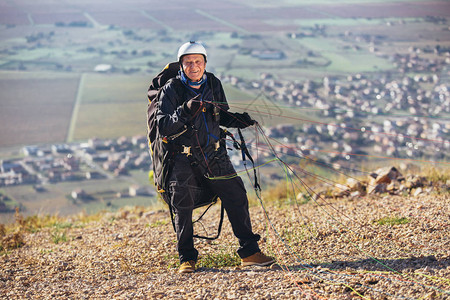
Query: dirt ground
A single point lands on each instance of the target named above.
(372, 248)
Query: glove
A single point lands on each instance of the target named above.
(193, 105)
(244, 120)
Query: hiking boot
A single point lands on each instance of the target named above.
(187, 267)
(257, 259)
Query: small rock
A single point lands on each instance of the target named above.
(393, 186)
(417, 192)
(354, 185)
(377, 189)
(147, 214)
(371, 280)
(341, 190)
(355, 194)
(431, 295)
(301, 280)
(20, 278)
(275, 267)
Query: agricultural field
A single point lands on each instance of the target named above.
(35, 107)
(110, 106)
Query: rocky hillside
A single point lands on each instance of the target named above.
(377, 246)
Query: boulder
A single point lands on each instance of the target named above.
(385, 175)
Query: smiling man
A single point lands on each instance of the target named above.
(194, 67)
(192, 109)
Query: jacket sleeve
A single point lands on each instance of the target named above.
(227, 118)
(172, 115)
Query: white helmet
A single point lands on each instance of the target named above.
(191, 47)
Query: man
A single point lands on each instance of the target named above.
(191, 108)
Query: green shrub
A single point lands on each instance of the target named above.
(392, 221)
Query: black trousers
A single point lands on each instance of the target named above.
(185, 187)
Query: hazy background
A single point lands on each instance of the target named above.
(74, 70)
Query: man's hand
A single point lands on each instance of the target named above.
(245, 120)
(193, 105)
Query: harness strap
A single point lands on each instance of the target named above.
(245, 153)
(219, 228)
(172, 137)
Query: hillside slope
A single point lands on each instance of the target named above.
(383, 247)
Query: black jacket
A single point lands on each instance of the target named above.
(202, 130)
(172, 115)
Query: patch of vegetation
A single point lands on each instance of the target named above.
(219, 260)
(12, 236)
(436, 175)
(35, 223)
(279, 194)
(393, 221)
(158, 223)
(85, 218)
(224, 258)
(10, 241)
(172, 260)
(304, 198)
(58, 237)
(284, 193)
(295, 235)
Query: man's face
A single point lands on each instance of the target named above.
(194, 66)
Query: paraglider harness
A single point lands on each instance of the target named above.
(162, 151)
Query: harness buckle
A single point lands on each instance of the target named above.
(217, 144)
(186, 150)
